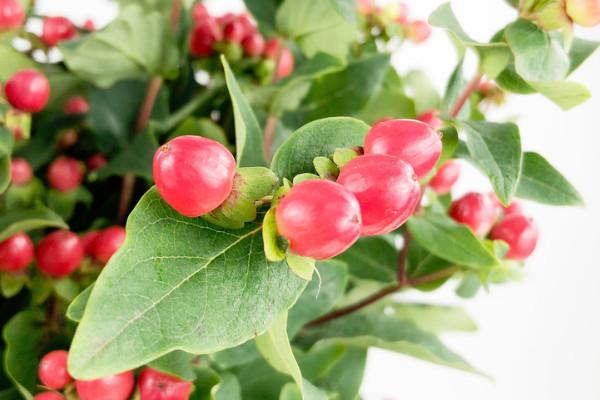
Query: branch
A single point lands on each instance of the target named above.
(471, 86)
(402, 258)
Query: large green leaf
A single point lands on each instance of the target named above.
(27, 220)
(264, 12)
(6, 146)
(178, 283)
(13, 61)
(139, 42)
(434, 318)
(248, 135)
(541, 182)
(449, 240)
(497, 149)
(318, 138)
(372, 257)
(427, 97)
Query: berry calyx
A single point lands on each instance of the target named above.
(412, 141)
(430, 118)
(65, 174)
(59, 253)
(20, 171)
(89, 242)
(253, 44)
(48, 396)
(204, 37)
(584, 12)
(386, 189)
(115, 387)
(108, 242)
(16, 253)
(520, 233)
(53, 369)
(286, 59)
(445, 177)
(194, 175)
(76, 105)
(96, 162)
(28, 90)
(320, 218)
(57, 29)
(418, 31)
(12, 14)
(155, 385)
(475, 210)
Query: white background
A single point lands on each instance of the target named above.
(539, 339)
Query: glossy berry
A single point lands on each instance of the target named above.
(286, 60)
(96, 162)
(12, 14)
(475, 210)
(253, 44)
(445, 177)
(67, 139)
(65, 174)
(514, 207)
(194, 175)
(418, 31)
(57, 29)
(204, 37)
(76, 105)
(115, 387)
(48, 396)
(28, 90)
(20, 171)
(108, 242)
(234, 31)
(89, 242)
(386, 188)
(320, 218)
(584, 12)
(53, 369)
(16, 253)
(199, 13)
(412, 141)
(155, 385)
(59, 253)
(520, 233)
(89, 25)
(430, 118)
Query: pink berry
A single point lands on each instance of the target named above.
(194, 175)
(386, 188)
(115, 387)
(48, 396)
(225, 19)
(475, 210)
(403, 15)
(155, 385)
(253, 44)
(53, 369)
(20, 171)
(520, 233)
(412, 141)
(59, 253)
(108, 242)
(418, 31)
(430, 118)
(199, 13)
(286, 60)
(76, 105)
(96, 162)
(320, 218)
(234, 31)
(65, 174)
(28, 90)
(445, 177)
(57, 29)
(513, 208)
(12, 14)
(89, 25)
(204, 37)
(584, 12)
(16, 253)
(89, 242)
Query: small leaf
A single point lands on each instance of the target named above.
(304, 177)
(449, 144)
(469, 286)
(428, 97)
(228, 389)
(77, 306)
(274, 249)
(177, 363)
(65, 288)
(564, 94)
(255, 182)
(373, 258)
(326, 168)
(342, 156)
(27, 220)
(13, 61)
(11, 284)
(304, 267)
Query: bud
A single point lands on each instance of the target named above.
(342, 156)
(584, 12)
(554, 17)
(325, 168)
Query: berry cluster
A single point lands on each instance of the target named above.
(152, 384)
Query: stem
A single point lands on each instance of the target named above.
(432, 277)
(271, 122)
(471, 86)
(402, 258)
(175, 13)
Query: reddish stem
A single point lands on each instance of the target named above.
(471, 86)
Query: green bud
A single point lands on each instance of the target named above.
(342, 156)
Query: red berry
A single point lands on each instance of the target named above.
(108, 242)
(254, 44)
(204, 37)
(403, 15)
(20, 171)
(418, 31)
(28, 90)
(320, 218)
(59, 253)
(412, 141)
(16, 252)
(286, 60)
(513, 208)
(386, 188)
(246, 22)
(520, 233)
(12, 14)
(48, 396)
(115, 387)
(234, 31)
(155, 385)
(96, 162)
(225, 19)
(430, 118)
(89, 242)
(194, 175)
(65, 174)
(199, 13)
(475, 210)
(445, 177)
(53, 369)
(57, 29)
(89, 25)
(76, 105)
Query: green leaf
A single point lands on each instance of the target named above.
(177, 363)
(248, 134)
(469, 286)
(77, 306)
(63, 203)
(28, 220)
(497, 149)
(318, 138)
(228, 389)
(422, 263)
(22, 335)
(137, 44)
(434, 319)
(449, 144)
(13, 61)
(449, 240)
(564, 94)
(204, 127)
(304, 267)
(167, 260)
(6, 145)
(580, 50)
(242, 354)
(542, 183)
(263, 11)
(454, 89)
(373, 258)
(65, 288)
(425, 95)
(537, 56)
(11, 284)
